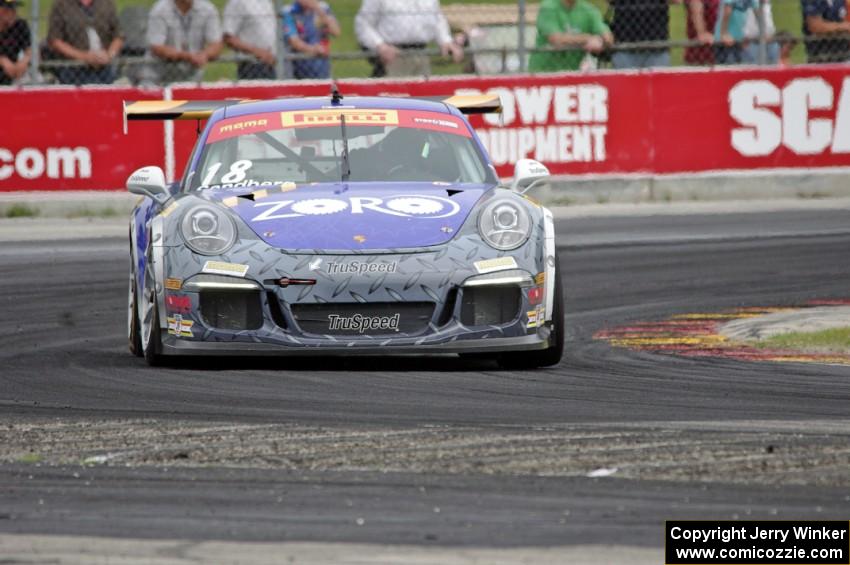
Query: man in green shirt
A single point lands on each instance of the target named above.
(562, 24)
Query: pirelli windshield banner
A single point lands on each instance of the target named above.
(271, 121)
(757, 542)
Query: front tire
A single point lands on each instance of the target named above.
(151, 337)
(153, 348)
(551, 355)
(134, 340)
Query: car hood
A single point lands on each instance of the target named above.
(353, 216)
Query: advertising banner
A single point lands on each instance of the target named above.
(751, 118)
(666, 122)
(72, 138)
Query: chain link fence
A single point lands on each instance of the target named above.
(162, 41)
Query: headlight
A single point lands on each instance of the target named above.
(504, 224)
(208, 230)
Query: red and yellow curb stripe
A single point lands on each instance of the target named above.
(697, 335)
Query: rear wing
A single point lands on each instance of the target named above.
(173, 109)
(203, 109)
(473, 103)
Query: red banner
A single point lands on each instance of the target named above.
(72, 138)
(674, 121)
(750, 119)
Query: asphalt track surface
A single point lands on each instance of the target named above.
(64, 357)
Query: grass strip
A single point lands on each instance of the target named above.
(835, 340)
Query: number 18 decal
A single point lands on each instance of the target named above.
(238, 172)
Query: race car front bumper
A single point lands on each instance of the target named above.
(448, 299)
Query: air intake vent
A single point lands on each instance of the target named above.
(232, 310)
(490, 306)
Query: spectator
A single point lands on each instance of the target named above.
(386, 27)
(14, 43)
(86, 31)
(637, 21)
(701, 19)
(753, 37)
(184, 35)
(787, 43)
(249, 27)
(307, 27)
(823, 20)
(729, 31)
(564, 24)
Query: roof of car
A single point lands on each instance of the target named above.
(319, 103)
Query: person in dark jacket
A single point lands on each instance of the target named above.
(15, 43)
(86, 31)
(637, 21)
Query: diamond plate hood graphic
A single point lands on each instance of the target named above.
(353, 216)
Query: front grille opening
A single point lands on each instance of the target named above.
(448, 307)
(232, 310)
(276, 312)
(490, 306)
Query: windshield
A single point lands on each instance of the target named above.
(311, 145)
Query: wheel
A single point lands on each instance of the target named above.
(134, 340)
(153, 345)
(151, 337)
(552, 354)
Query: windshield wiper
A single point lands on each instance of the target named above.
(346, 164)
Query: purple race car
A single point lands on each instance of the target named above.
(327, 226)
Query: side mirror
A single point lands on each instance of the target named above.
(149, 181)
(527, 172)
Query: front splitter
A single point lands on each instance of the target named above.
(174, 346)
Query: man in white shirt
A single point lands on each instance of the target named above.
(184, 35)
(249, 27)
(389, 27)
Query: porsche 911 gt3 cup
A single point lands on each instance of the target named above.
(327, 226)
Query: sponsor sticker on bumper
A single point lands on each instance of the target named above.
(221, 268)
(492, 265)
(361, 268)
(180, 327)
(362, 324)
(178, 303)
(536, 317)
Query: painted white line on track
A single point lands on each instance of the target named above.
(79, 549)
